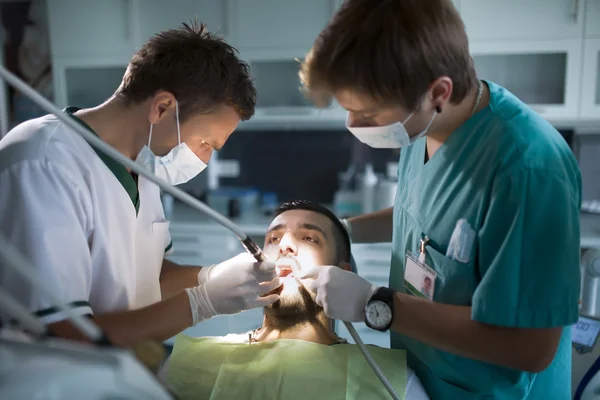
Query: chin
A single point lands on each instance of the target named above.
(295, 301)
(290, 286)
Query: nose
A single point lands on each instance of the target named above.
(287, 245)
(355, 121)
(351, 120)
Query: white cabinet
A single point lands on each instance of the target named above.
(196, 244)
(522, 19)
(590, 93)
(592, 18)
(4, 123)
(159, 15)
(278, 24)
(544, 74)
(91, 27)
(86, 82)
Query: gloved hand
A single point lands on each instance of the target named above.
(235, 286)
(342, 294)
(213, 270)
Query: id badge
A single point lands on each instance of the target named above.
(419, 278)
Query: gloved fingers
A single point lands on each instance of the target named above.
(265, 271)
(320, 300)
(308, 273)
(266, 287)
(312, 285)
(266, 277)
(203, 274)
(265, 301)
(226, 266)
(245, 256)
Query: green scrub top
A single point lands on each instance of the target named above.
(512, 176)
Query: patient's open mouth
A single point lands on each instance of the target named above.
(286, 273)
(286, 266)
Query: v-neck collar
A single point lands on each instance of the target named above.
(118, 170)
(452, 143)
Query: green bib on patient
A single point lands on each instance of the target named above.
(230, 368)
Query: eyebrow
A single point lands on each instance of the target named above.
(365, 111)
(303, 225)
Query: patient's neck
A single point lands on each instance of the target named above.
(319, 330)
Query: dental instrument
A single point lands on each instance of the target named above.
(91, 330)
(371, 361)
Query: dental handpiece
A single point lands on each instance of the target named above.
(252, 248)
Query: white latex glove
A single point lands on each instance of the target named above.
(207, 272)
(342, 294)
(236, 286)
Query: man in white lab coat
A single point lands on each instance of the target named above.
(96, 232)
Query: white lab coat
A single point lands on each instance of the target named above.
(64, 209)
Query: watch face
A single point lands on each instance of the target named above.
(378, 314)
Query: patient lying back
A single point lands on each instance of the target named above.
(296, 352)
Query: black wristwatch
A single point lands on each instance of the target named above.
(379, 311)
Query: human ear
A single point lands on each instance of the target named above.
(345, 266)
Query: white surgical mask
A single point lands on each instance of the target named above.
(391, 136)
(177, 167)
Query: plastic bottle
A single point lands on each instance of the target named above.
(368, 185)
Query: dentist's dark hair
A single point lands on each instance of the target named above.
(340, 235)
(198, 67)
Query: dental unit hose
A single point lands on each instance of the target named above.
(96, 142)
(371, 361)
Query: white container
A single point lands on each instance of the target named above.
(386, 194)
(347, 203)
(368, 187)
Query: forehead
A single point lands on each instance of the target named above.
(293, 218)
(356, 101)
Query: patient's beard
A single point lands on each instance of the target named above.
(293, 311)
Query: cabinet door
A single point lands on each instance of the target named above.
(543, 74)
(279, 23)
(159, 15)
(91, 27)
(590, 92)
(592, 18)
(201, 245)
(522, 19)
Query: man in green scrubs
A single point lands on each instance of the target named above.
(487, 206)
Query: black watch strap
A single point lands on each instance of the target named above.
(386, 295)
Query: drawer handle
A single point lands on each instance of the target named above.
(373, 264)
(186, 253)
(185, 239)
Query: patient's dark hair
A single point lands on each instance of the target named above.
(340, 235)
